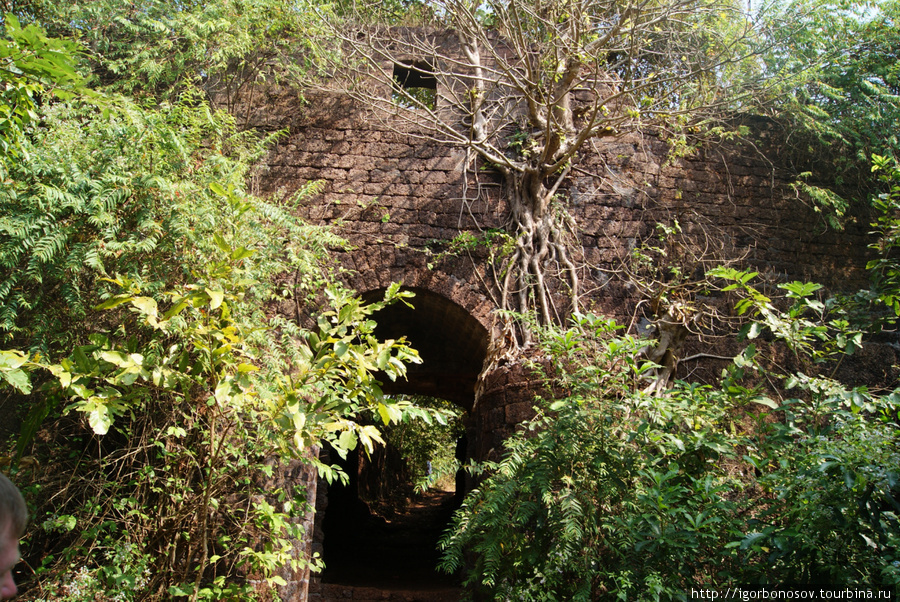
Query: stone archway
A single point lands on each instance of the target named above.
(453, 345)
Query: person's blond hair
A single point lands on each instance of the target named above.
(12, 507)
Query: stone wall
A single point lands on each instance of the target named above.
(398, 197)
(395, 195)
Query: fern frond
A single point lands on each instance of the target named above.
(50, 246)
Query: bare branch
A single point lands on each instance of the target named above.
(526, 84)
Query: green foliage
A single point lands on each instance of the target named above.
(809, 327)
(428, 441)
(843, 100)
(13, 366)
(189, 398)
(885, 270)
(609, 491)
(828, 466)
(141, 278)
(390, 12)
(124, 192)
(833, 515)
(613, 494)
(171, 403)
(415, 97)
(337, 368)
(157, 48)
(126, 573)
(30, 65)
(498, 244)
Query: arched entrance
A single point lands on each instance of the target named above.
(452, 343)
(367, 542)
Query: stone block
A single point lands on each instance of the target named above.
(330, 173)
(384, 174)
(390, 188)
(436, 177)
(517, 413)
(346, 161)
(445, 163)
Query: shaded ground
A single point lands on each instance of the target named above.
(345, 593)
(399, 554)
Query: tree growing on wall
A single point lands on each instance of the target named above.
(525, 86)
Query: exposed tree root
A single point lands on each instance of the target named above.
(541, 257)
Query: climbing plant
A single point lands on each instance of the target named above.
(526, 87)
(772, 476)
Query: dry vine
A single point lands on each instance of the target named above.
(679, 299)
(524, 85)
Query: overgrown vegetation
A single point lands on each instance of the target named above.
(526, 87)
(428, 448)
(419, 453)
(770, 477)
(842, 102)
(31, 64)
(154, 49)
(166, 398)
(189, 388)
(611, 493)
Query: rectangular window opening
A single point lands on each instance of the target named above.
(415, 85)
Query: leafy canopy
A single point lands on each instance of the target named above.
(843, 101)
(31, 64)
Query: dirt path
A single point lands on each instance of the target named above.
(392, 560)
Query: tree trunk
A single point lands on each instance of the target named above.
(541, 255)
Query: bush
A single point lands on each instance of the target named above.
(611, 493)
(145, 277)
(608, 491)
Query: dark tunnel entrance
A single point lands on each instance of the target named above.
(377, 530)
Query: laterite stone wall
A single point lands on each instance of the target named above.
(399, 199)
(394, 195)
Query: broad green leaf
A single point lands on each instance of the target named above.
(116, 357)
(752, 539)
(347, 440)
(241, 253)
(223, 393)
(177, 308)
(100, 419)
(18, 379)
(384, 413)
(12, 359)
(82, 361)
(215, 298)
(766, 401)
(217, 188)
(146, 305)
(113, 302)
(61, 373)
(221, 243)
(383, 357)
